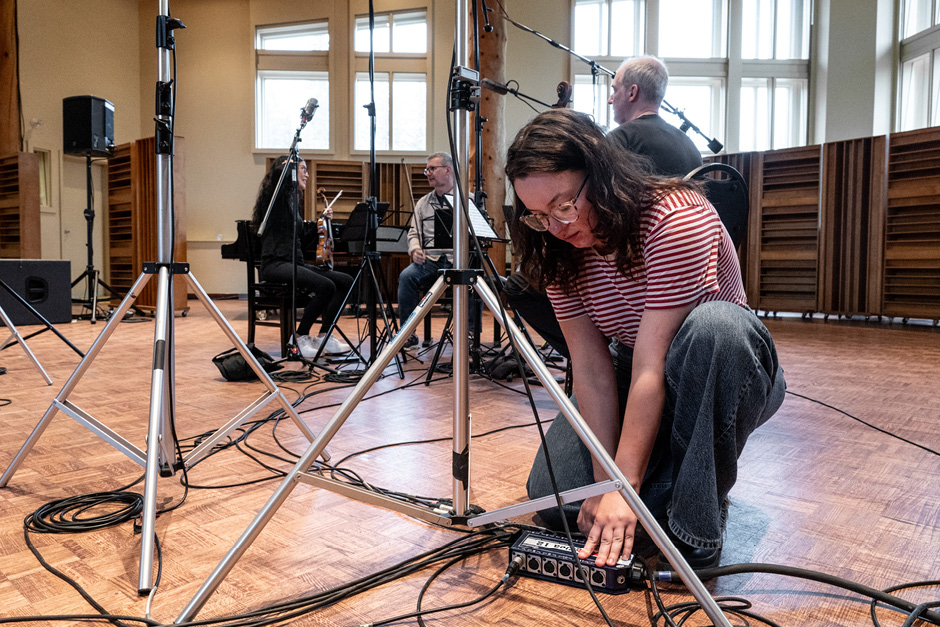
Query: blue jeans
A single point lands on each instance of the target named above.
(722, 382)
(415, 278)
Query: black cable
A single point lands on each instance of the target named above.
(473, 543)
(904, 586)
(880, 596)
(867, 424)
(66, 516)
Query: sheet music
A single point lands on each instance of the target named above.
(481, 227)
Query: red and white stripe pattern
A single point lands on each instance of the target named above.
(687, 258)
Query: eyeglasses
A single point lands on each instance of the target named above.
(431, 168)
(566, 213)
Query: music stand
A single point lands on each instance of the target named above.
(361, 229)
(356, 228)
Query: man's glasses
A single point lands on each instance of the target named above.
(431, 168)
(566, 213)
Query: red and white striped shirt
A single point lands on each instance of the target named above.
(687, 258)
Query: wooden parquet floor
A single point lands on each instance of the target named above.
(816, 489)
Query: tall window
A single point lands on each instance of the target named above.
(606, 31)
(768, 86)
(292, 67)
(919, 78)
(694, 29)
(400, 42)
(775, 29)
(775, 68)
(918, 16)
(773, 113)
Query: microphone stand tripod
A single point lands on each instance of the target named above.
(370, 257)
(292, 164)
(463, 84)
(159, 455)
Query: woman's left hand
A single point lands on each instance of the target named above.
(609, 524)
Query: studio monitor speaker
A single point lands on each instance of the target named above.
(44, 284)
(87, 126)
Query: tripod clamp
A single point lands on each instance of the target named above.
(175, 267)
(465, 89)
(456, 276)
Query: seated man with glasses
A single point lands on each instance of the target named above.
(430, 240)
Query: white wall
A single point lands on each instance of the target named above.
(74, 49)
(530, 60)
(854, 69)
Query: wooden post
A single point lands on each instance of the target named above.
(493, 109)
(9, 80)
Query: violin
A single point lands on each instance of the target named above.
(325, 229)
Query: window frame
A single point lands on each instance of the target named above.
(731, 69)
(287, 62)
(925, 42)
(392, 63)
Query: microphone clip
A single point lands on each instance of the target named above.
(465, 89)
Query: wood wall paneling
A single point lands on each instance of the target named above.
(852, 207)
(132, 220)
(912, 225)
(19, 207)
(783, 239)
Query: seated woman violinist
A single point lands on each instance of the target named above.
(325, 287)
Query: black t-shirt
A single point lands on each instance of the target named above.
(670, 151)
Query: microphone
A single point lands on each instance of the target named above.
(306, 114)
(486, 18)
(499, 88)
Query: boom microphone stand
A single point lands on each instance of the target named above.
(596, 68)
(159, 457)
(293, 207)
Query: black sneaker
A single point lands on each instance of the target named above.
(697, 559)
(412, 341)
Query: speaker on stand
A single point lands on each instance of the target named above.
(88, 130)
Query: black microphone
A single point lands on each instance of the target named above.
(306, 114)
(486, 18)
(499, 88)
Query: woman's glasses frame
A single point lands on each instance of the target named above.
(565, 213)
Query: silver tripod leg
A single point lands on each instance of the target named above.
(156, 428)
(299, 471)
(159, 448)
(61, 400)
(15, 335)
(272, 393)
(688, 576)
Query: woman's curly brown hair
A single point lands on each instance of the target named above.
(266, 189)
(620, 188)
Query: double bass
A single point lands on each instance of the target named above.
(325, 229)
